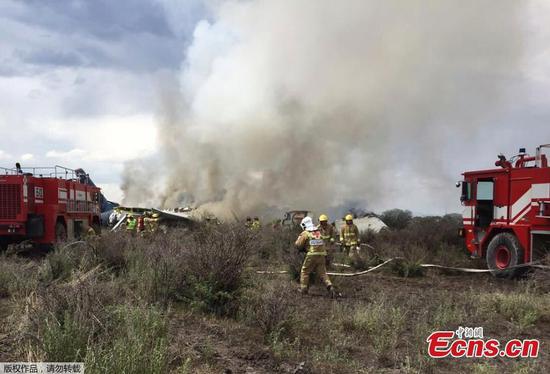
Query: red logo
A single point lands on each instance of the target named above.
(469, 343)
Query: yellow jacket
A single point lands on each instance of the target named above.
(313, 241)
(327, 233)
(349, 235)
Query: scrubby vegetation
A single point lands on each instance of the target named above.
(192, 302)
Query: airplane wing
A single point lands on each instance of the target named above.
(168, 215)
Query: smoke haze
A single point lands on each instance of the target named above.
(322, 104)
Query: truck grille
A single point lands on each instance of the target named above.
(10, 201)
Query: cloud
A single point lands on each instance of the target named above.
(182, 15)
(137, 35)
(78, 79)
(117, 138)
(73, 153)
(4, 155)
(27, 156)
(50, 57)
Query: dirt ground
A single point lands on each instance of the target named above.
(228, 346)
(379, 325)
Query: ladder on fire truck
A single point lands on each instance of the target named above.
(57, 172)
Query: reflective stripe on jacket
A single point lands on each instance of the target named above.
(349, 235)
(314, 243)
(327, 234)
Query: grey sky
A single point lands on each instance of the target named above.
(81, 77)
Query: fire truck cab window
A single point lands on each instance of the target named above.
(485, 206)
(466, 191)
(485, 190)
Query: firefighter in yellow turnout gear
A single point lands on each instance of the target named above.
(151, 222)
(155, 222)
(310, 239)
(349, 237)
(153, 225)
(131, 224)
(328, 236)
(256, 224)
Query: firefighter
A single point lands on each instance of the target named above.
(131, 223)
(113, 218)
(327, 234)
(140, 224)
(248, 222)
(154, 223)
(276, 225)
(256, 225)
(310, 240)
(147, 221)
(90, 233)
(349, 237)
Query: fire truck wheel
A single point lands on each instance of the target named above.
(60, 232)
(504, 252)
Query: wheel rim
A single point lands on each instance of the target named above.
(502, 257)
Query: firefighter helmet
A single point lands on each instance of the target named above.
(155, 215)
(307, 224)
(323, 218)
(349, 217)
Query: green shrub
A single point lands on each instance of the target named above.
(484, 368)
(294, 261)
(154, 274)
(408, 268)
(56, 315)
(84, 321)
(18, 278)
(112, 249)
(6, 278)
(522, 309)
(446, 313)
(66, 259)
(428, 237)
(203, 268)
(271, 244)
(360, 263)
(214, 262)
(397, 219)
(136, 343)
(64, 339)
(291, 256)
(266, 306)
(381, 322)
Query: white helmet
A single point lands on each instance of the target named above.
(307, 224)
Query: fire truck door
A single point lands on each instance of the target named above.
(484, 203)
(30, 197)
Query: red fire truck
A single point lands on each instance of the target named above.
(507, 211)
(45, 206)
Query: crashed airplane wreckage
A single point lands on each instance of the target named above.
(167, 218)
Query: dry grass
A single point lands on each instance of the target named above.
(190, 302)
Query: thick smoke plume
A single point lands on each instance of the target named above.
(316, 103)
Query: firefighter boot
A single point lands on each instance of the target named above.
(333, 293)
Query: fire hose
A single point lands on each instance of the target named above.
(460, 269)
